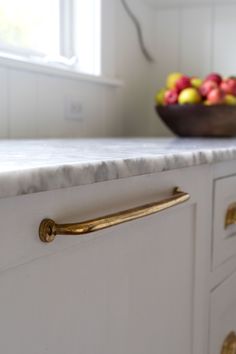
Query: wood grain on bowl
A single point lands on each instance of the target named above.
(198, 120)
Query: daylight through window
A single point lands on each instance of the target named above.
(60, 32)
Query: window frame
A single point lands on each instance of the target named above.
(66, 11)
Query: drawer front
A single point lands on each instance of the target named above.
(21, 216)
(224, 237)
(223, 318)
(120, 291)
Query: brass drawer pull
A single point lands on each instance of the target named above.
(230, 217)
(229, 345)
(48, 229)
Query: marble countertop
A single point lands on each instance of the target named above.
(30, 166)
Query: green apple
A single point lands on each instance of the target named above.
(172, 79)
(189, 96)
(160, 97)
(230, 100)
(196, 82)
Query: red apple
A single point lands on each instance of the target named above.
(171, 96)
(182, 83)
(214, 77)
(229, 86)
(216, 96)
(206, 87)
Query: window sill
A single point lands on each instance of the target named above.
(53, 70)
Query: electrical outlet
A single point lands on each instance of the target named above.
(74, 109)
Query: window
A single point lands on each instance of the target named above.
(56, 32)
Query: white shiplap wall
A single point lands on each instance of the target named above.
(3, 103)
(194, 38)
(189, 36)
(32, 104)
(133, 68)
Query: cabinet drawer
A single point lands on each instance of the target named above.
(121, 290)
(21, 216)
(224, 237)
(223, 317)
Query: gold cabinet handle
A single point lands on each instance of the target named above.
(230, 217)
(229, 345)
(48, 229)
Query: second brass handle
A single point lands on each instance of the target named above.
(230, 217)
(229, 345)
(48, 229)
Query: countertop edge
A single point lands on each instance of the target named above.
(48, 178)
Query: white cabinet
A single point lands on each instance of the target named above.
(222, 304)
(224, 236)
(127, 291)
(223, 316)
(131, 289)
(165, 283)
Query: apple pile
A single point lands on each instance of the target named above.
(182, 89)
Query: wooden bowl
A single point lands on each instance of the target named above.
(198, 120)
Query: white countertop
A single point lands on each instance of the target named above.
(30, 166)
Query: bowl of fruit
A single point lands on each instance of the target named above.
(196, 107)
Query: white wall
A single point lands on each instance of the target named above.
(194, 39)
(32, 104)
(133, 68)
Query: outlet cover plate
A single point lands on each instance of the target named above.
(74, 109)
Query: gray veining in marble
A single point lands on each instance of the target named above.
(29, 166)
